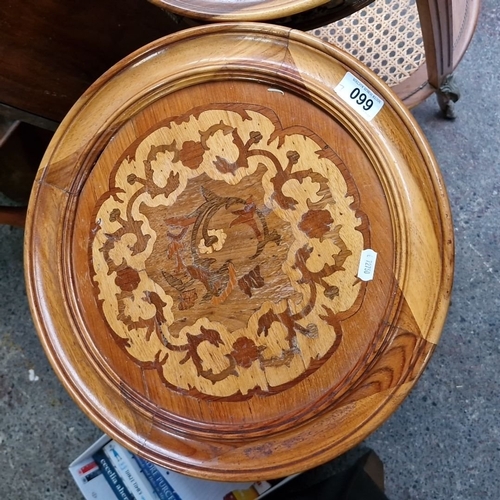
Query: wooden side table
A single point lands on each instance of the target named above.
(239, 252)
(414, 45)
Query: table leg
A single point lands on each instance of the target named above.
(436, 18)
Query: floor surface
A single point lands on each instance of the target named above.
(442, 443)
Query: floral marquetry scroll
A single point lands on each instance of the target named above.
(170, 268)
(196, 252)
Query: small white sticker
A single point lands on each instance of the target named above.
(367, 264)
(359, 97)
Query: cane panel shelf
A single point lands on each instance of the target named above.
(192, 250)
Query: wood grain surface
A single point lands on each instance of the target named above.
(51, 51)
(192, 252)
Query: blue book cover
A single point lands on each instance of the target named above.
(158, 482)
(111, 476)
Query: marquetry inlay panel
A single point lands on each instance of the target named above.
(225, 249)
(200, 252)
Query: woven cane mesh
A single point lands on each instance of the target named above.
(385, 36)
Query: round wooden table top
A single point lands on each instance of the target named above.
(238, 10)
(239, 252)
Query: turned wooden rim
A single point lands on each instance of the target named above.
(241, 10)
(48, 269)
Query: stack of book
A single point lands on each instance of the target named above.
(107, 470)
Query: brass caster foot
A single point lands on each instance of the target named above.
(447, 95)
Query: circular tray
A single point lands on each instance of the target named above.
(193, 246)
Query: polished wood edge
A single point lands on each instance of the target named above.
(273, 9)
(385, 402)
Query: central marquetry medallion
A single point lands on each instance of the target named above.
(224, 254)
